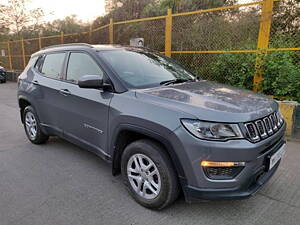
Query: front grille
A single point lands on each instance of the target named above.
(265, 127)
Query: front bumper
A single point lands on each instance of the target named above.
(246, 190)
(195, 183)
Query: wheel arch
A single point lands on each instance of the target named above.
(23, 103)
(126, 134)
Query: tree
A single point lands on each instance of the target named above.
(15, 15)
(286, 23)
(160, 7)
(70, 24)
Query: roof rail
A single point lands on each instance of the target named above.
(70, 44)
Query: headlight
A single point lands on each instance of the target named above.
(211, 130)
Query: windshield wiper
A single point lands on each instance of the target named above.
(175, 81)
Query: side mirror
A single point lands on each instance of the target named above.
(90, 81)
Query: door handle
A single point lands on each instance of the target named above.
(64, 92)
(35, 82)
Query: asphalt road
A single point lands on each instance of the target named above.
(59, 183)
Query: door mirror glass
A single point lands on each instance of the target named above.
(90, 81)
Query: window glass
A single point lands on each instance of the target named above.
(142, 69)
(53, 64)
(81, 64)
(39, 63)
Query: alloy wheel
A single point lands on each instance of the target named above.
(143, 176)
(31, 125)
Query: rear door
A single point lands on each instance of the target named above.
(85, 118)
(48, 78)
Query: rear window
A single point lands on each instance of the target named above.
(53, 64)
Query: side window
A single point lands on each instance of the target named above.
(53, 64)
(81, 64)
(38, 63)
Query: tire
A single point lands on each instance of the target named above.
(164, 183)
(32, 126)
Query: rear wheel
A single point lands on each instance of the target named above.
(149, 175)
(32, 126)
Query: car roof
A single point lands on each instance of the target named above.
(84, 46)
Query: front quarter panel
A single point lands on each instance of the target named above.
(125, 109)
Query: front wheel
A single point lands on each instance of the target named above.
(149, 174)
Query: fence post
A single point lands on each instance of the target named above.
(40, 42)
(23, 53)
(90, 34)
(62, 37)
(111, 31)
(168, 34)
(263, 42)
(9, 55)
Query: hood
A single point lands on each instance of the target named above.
(213, 101)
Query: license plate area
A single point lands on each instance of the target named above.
(274, 158)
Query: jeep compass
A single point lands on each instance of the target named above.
(164, 129)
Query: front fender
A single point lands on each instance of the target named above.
(154, 135)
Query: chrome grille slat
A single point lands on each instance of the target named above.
(252, 130)
(274, 125)
(268, 125)
(261, 128)
(264, 127)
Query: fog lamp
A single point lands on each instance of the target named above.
(222, 170)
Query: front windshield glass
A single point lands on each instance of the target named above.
(140, 69)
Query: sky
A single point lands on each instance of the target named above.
(86, 10)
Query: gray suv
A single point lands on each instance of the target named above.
(166, 131)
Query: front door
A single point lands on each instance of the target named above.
(86, 110)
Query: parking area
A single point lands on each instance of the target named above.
(59, 183)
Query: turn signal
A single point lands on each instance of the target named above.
(221, 164)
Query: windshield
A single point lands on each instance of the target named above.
(140, 69)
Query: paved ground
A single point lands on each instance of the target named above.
(59, 184)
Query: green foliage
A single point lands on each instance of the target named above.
(282, 75)
(281, 72)
(235, 69)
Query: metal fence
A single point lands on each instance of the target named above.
(222, 44)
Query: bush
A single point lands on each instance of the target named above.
(282, 75)
(281, 72)
(235, 69)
